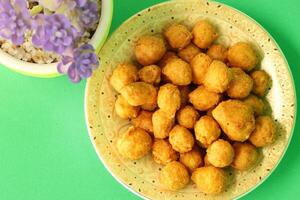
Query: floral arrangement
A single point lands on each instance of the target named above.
(56, 26)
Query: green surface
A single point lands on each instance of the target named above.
(45, 149)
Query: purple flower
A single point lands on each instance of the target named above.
(80, 64)
(80, 3)
(89, 14)
(15, 20)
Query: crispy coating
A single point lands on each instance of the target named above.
(245, 156)
(189, 52)
(123, 75)
(256, 103)
(134, 144)
(143, 121)
(162, 124)
(235, 118)
(162, 152)
(207, 130)
(178, 71)
(174, 176)
(264, 133)
(168, 99)
(199, 65)
(204, 34)
(150, 106)
(139, 93)
(178, 36)
(206, 162)
(242, 55)
(184, 94)
(124, 109)
(210, 180)
(187, 117)
(262, 82)
(181, 139)
(167, 58)
(191, 159)
(217, 77)
(240, 85)
(149, 49)
(150, 74)
(220, 153)
(217, 52)
(202, 99)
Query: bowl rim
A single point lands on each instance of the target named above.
(49, 70)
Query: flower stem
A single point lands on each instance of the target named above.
(36, 10)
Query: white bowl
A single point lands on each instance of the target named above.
(49, 70)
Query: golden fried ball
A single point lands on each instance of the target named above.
(242, 55)
(178, 71)
(191, 159)
(235, 118)
(220, 153)
(181, 139)
(184, 94)
(256, 103)
(167, 58)
(150, 74)
(123, 75)
(178, 36)
(139, 93)
(240, 85)
(168, 99)
(162, 124)
(207, 131)
(134, 144)
(217, 77)
(262, 81)
(189, 52)
(162, 152)
(217, 52)
(206, 162)
(144, 121)
(187, 117)
(124, 109)
(210, 180)
(174, 176)
(150, 106)
(264, 133)
(202, 99)
(204, 34)
(199, 65)
(245, 156)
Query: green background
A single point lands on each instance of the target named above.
(45, 151)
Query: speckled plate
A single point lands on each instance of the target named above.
(141, 177)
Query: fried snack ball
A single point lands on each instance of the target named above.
(210, 180)
(167, 58)
(217, 52)
(235, 118)
(149, 49)
(242, 55)
(264, 133)
(187, 117)
(207, 130)
(256, 103)
(150, 74)
(168, 99)
(123, 75)
(174, 176)
(202, 99)
(192, 159)
(220, 153)
(184, 94)
(262, 81)
(178, 71)
(134, 144)
(178, 36)
(204, 34)
(181, 139)
(199, 65)
(162, 152)
(150, 106)
(139, 93)
(245, 156)
(189, 52)
(206, 162)
(217, 77)
(240, 85)
(124, 109)
(162, 124)
(143, 121)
